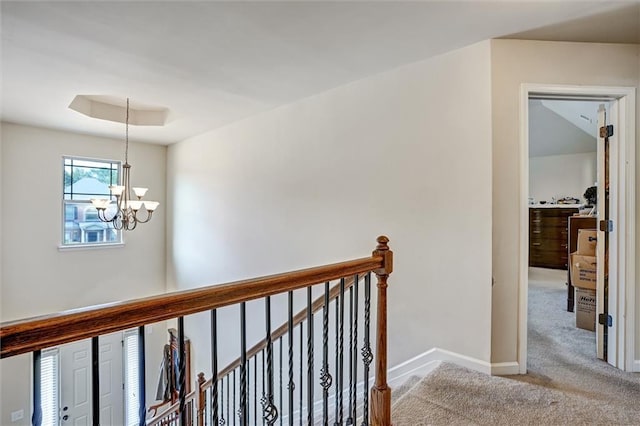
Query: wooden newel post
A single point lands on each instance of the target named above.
(381, 392)
(201, 400)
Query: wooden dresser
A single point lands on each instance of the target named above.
(548, 236)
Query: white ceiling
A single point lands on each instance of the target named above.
(561, 127)
(212, 63)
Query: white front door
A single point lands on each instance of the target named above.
(75, 382)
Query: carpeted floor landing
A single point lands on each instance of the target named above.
(565, 384)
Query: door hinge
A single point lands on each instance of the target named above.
(606, 131)
(605, 320)
(606, 225)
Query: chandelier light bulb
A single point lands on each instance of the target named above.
(140, 192)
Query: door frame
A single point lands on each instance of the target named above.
(624, 223)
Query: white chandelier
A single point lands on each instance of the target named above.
(128, 210)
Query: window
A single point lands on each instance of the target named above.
(49, 387)
(131, 378)
(85, 179)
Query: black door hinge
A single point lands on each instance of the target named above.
(605, 320)
(606, 131)
(606, 225)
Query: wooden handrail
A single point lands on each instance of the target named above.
(173, 408)
(41, 332)
(282, 330)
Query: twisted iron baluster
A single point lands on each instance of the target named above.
(222, 421)
(280, 360)
(354, 342)
(255, 388)
(325, 375)
(243, 365)
(309, 357)
(351, 401)
(263, 400)
(291, 386)
(214, 366)
(301, 377)
(229, 415)
(270, 410)
(367, 355)
(234, 397)
(341, 353)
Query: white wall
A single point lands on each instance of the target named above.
(561, 176)
(38, 278)
(406, 153)
(515, 62)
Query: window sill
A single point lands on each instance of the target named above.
(89, 246)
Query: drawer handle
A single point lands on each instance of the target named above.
(536, 221)
(537, 232)
(537, 244)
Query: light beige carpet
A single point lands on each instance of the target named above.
(566, 384)
(453, 395)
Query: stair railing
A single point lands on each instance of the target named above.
(284, 334)
(34, 335)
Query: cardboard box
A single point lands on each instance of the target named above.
(583, 271)
(587, 239)
(585, 309)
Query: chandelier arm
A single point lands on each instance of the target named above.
(102, 215)
(147, 219)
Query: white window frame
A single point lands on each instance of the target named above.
(118, 242)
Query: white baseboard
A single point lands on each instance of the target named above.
(636, 366)
(505, 368)
(422, 364)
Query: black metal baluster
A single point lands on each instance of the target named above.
(367, 355)
(214, 367)
(36, 417)
(270, 411)
(248, 390)
(354, 356)
(142, 387)
(222, 420)
(255, 389)
(243, 364)
(95, 380)
(337, 365)
(263, 400)
(291, 386)
(301, 376)
(325, 375)
(182, 367)
(280, 360)
(309, 356)
(350, 412)
(341, 354)
(233, 406)
(229, 415)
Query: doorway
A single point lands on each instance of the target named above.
(65, 382)
(622, 330)
(563, 166)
